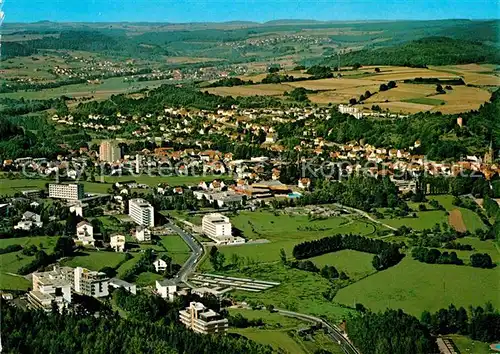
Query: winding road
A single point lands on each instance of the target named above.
(333, 331)
(196, 254)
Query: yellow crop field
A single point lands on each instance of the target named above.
(405, 107)
(331, 84)
(412, 74)
(251, 90)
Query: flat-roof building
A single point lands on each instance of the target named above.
(66, 191)
(218, 228)
(202, 320)
(51, 287)
(90, 283)
(141, 212)
(109, 151)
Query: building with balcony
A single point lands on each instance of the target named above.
(202, 320)
(218, 227)
(141, 212)
(90, 283)
(109, 151)
(51, 287)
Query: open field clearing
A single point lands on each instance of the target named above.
(251, 90)
(404, 107)
(401, 92)
(467, 345)
(455, 220)
(331, 84)
(474, 74)
(11, 262)
(176, 248)
(415, 287)
(95, 260)
(299, 290)
(427, 219)
(355, 264)
(189, 60)
(412, 74)
(259, 77)
(107, 88)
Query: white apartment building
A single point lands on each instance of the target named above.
(66, 191)
(52, 286)
(90, 283)
(142, 234)
(85, 233)
(109, 151)
(160, 265)
(353, 111)
(141, 212)
(166, 289)
(117, 243)
(202, 320)
(218, 227)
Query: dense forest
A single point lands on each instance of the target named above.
(392, 331)
(423, 52)
(80, 332)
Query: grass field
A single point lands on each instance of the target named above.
(282, 231)
(147, 278)
(427, 219)
(95, 260)
(355, 264)
(252, 90)
(299, 290)
(11, 262)
(414, 287)
(104, 90)
(176, 248)
(467, 345)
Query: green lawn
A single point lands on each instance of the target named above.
(11, 262)
(148, 278)
(176, 248)
(11, 282)
(415, 287)
(282, 231)
(425, 100)
(427, 219)
(280, 332)
(299, 291)
(95, 260)
(467, 345)
(355, 264)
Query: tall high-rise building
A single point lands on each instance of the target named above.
(109, 151)
(141, 212)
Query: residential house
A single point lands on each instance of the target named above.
(85, 233)
(117, 243)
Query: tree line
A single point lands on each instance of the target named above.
(386, 254)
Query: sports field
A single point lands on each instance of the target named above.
(95, 260)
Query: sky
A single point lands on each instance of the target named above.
(247, 10)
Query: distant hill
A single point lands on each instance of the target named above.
(425, 51)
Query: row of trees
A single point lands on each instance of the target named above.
(386, 254)
(433, 256)
(483, 324)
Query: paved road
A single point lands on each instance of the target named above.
(333, 331)
(196, 253)
(366, 215)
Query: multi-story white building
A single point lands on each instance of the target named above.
(166, 289)
(85, 233)
(141, 212)
(202, 320)
(218, 228)
(66, 191)
(109, 151)
(353, 111)
(160, 265)
(51, 287)
(90, 283)
(117, 243)
(142, 234)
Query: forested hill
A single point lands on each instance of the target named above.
(425, 51)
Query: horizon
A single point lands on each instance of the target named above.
(258, 11)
